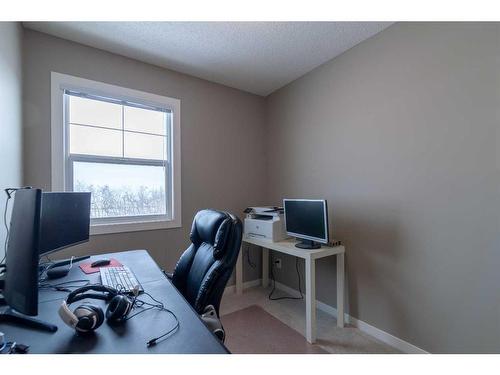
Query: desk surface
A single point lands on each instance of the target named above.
(130, 337)
(288, 247)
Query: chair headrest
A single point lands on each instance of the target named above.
(211, 227)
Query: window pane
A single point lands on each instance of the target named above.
(94, 112)
(95, 141)
(144, 120)
(121, 189)
(145, 146)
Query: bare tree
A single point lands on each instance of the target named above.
(124, 201)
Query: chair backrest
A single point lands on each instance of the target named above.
(202, 272)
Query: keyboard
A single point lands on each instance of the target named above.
(121, 278)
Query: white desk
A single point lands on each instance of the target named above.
(310, 256)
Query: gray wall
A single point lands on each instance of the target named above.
(10, 114)
(401, 135)
(224, 172)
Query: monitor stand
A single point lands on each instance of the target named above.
(9, 315)
(308, 244)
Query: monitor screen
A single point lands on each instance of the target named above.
(306, 219)
(65, 220)
(21, 279)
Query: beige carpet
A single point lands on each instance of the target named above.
(292, 313)
(254, 331)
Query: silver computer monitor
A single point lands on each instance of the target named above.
(307, 220)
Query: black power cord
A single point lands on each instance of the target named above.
(10, 193)
(274, 283)
(158, 305)
(139, 303)
(249, 261)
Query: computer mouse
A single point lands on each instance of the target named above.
(57, 272)
(100, 263)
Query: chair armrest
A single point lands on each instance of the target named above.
(213, 323)
(168, 275)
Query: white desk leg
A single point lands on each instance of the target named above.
(340, 290)
(265, 267)
(239, 273)
(311, 300)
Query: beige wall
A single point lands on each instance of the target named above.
(10, 114)
(224, 172)
(401, 135)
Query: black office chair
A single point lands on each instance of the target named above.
(202, 272)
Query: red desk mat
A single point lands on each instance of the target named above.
(87, 268)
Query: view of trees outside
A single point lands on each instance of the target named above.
(123, 201)
(101, 130)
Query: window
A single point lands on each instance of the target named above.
(123, 146)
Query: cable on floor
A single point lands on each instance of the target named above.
(274, 283)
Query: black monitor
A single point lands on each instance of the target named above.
(65, 220)
(20, 289)
(307, 220)
(21, 278)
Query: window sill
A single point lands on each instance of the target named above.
(108, 228)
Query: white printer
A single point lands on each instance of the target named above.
(266, 223)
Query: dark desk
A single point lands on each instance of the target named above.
(130, 337)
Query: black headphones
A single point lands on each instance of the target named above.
(88, 317)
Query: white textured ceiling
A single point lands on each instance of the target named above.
(258, 57)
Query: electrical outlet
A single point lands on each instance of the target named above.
(278, 263)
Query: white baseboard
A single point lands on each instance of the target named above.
(375, 332)
(386, 337)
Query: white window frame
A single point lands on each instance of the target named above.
(60, 153)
